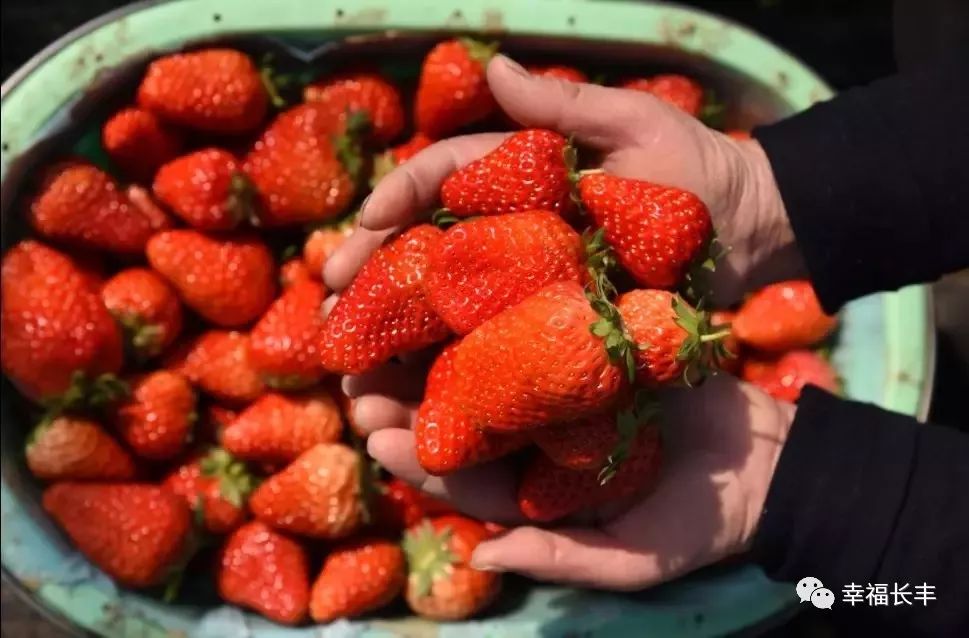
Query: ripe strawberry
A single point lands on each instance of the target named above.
(138, 142)
(230, 281)
(264, 570)
(367, 93)
(580, 445)
(75, 449)
(53, 323)
(441, 585)
(383, 312)
(206, 189)
(721, 320)
(81, 205)
(147, 309)
(317, 495)
(536, 363)
(559, 72)
(446, 440)
(217, 362)
(484, 265)
(399, 505)
(294, 271)
(529, 171)
(215, 484)
(156, 421)
(452, 91)
(283, 344)
(680, 91)
(278, 428)
(548, 492)
(137, 534)
(211, 90)
(397, 155)
(785, 376)
(358, 576)
(304, 173)
(783, 316)
(656, 231)
(320, 246)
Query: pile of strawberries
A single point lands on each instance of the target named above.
(181, 372)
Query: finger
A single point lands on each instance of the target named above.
(412, 188)
(349, 258)
(375, 412)
(403, 381)
(328, 304)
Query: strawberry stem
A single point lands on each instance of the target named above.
(481, 52)
(643, 409)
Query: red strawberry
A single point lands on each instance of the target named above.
(580, 445)
(783, 316)
(138, 142)
(75, 449)
(146, 307)
(156, 422)
(358, 576)
(722, 320)
(230, 281)
(536, 363)
(138, 534)
(53, 323)
(453, 91)
(656, 231)
(785, 376)
(212, 90)
(484, 265)
(82, 205)
(294, 271)
(320, 246)
(441, 585)
(266, 571)
(278, 428)
(548, 492)
(529, 171)
(397, 155)
(317, 495)
(366, 93)
(559, 72)
(303, 173)
(680, 91)
(446, 440)
(206, 189)
(283, 344)
(217, 485)
(400, 505)
(383, 312)
(217, 362)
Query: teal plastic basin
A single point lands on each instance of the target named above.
(58, 100)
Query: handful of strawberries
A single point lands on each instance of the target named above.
(181, 376)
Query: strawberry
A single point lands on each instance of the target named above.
(358, 576)
(206, 189)
(783, 316)
(536, 363)
(283, 344)
(657, 232)
(217, 362)
(294, 271)
(446, 440)
(317, 495)
(548, 492)
(216, 485)
(680, 91)
(156, 421)
(230, 281)
(397, 155)
(580, 445)
(147, 309)
(211, 90)
(82, 206)
(721, 320)
(484, 265)
(320, 246)
(400, 505)
(138, 142)
(264, 570)
(383, 312)
(559, 72)
(785, 376)
(76, 449)
(441, 585)
(302, 171)
(452, 91)
(367, 93)
(530, 170)
(53, 323)
(278, 428)
(138, 535)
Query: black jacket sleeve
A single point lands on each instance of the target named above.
(866, 497)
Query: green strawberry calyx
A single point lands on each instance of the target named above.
(243, 200)
(429, 555)
(642, 411)
(142, 339)
(703, 348)
(348, 145)
(620, 347)
(480, 52)
(85, 394)
(235, 481)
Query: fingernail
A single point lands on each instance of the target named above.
(481, 563)
(363, 209)
(512, 65)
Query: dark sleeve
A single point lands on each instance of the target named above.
(876, 181)
(865, 496)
